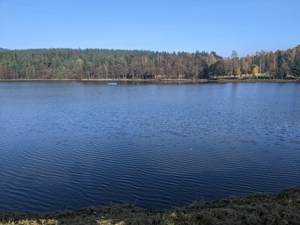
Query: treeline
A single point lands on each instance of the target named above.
(137, 64)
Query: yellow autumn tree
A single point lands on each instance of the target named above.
(237, 72)
(78, 69)
(211, 59)
(254, 69)
(79, 63)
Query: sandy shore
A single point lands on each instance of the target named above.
(256, 208)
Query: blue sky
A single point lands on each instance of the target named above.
(159, 25)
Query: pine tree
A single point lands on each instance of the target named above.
(296, 69)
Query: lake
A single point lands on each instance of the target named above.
(68, 145)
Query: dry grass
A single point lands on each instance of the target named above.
(264, 208)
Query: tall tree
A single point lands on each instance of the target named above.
(296, 69)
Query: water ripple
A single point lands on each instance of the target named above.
(67, 145)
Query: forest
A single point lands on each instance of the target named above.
(62, 63)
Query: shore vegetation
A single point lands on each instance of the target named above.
(251, 209)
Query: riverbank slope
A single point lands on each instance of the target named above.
(255, 208)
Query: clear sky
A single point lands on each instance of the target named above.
(159, 25)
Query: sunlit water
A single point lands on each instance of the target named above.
(68, 145)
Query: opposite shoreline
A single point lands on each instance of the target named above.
(165, 81)
(255, 208)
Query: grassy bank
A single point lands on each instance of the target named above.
(258, 208)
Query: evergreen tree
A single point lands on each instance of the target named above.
(296, 69)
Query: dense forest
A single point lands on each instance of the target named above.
(138, 64)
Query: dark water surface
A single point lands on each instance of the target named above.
(68, 145)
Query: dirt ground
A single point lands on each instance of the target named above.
(258, 208)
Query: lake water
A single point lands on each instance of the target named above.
(67, 145)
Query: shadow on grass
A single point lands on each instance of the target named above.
(257, 208)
